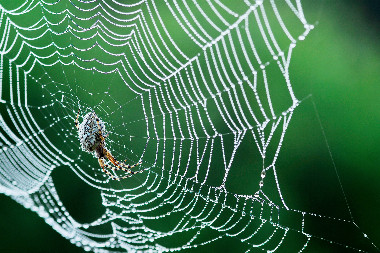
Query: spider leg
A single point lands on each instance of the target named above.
(101, 163)
(130, 166)
(122, 166)
(114, 168)
(76, 120)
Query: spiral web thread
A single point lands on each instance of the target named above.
(185, 87)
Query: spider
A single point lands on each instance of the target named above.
(92, 139)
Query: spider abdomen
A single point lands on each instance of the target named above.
(89, 132)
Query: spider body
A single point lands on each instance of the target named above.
(92, 135)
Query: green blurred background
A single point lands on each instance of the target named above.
(339, 64)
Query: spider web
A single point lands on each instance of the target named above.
(199, 91)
